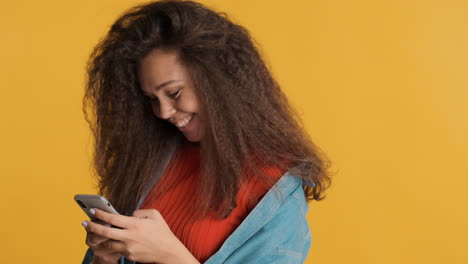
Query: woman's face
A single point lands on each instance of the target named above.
(169, 86)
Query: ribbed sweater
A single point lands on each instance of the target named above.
(172, 196)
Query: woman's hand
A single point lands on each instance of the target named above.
(144, 237)
(102, 255)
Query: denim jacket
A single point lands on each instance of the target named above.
(275, 231)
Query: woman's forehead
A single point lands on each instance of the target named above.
(160, 69)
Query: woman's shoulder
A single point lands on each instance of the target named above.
(254, 187)
(277, 223)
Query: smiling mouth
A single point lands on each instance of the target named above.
(184, 121)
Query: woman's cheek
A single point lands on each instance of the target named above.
(155, 109)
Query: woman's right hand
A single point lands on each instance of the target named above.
(102, 255)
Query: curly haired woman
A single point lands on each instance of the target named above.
(195, 145)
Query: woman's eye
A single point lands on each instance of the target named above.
(174, 95)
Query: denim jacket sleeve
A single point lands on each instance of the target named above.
(276, 231)
(286, 238)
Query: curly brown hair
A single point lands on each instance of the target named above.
(247, 113)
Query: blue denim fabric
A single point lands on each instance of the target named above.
(276, 231)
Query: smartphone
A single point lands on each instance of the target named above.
(88, 201)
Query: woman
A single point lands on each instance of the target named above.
(195, 145)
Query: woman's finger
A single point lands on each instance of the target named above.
(114, 246)
(103, 231)
(93, 239)
(106, 253)
(102, 223)
(113, 219)
(90, 241)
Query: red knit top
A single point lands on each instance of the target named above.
(201, 237)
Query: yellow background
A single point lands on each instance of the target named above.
(382, 87)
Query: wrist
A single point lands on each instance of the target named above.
(181, 256)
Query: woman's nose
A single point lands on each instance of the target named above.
(164, 110)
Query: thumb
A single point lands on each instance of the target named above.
(146, 213)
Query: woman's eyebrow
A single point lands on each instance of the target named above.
(166, 83)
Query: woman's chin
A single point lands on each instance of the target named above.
(192, 138)
(192, 130)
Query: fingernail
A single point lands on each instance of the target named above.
(84, 223)
(92, 211)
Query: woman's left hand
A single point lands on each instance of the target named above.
(144, 237)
